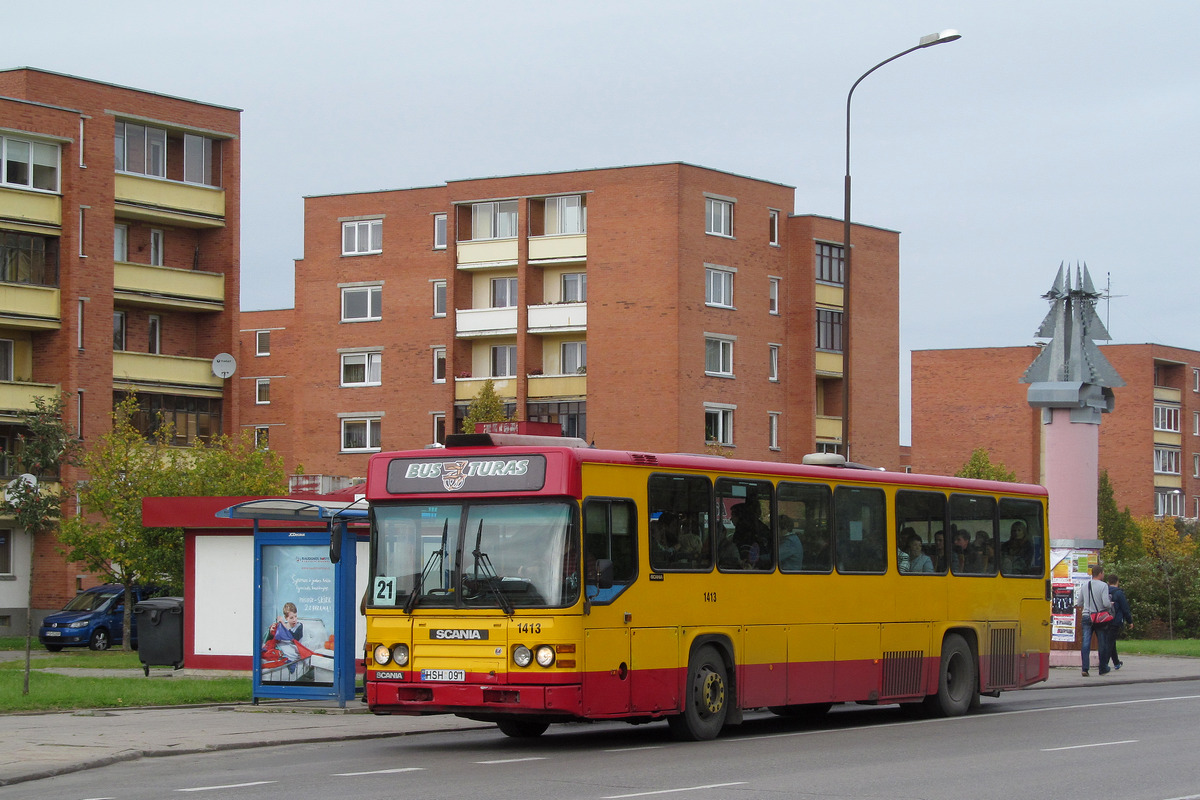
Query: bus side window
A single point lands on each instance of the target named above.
(925, 514)
(861, 517)
(1022, 540)
(679, 508)
(805, 546)
(609, 532)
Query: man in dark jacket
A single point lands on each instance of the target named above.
(1122, 616)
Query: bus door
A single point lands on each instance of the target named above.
(609, 534)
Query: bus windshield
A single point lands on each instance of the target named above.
(475, 555)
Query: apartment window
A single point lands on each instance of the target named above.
(831, 264)
(1166, 460)
(718, 217)
(6, 361)
(189, 419)
(29, 164)
(773, 227)
(28, 258)
(439, 231)
(361, 435)
(570, 415)
(82, 306)
(504, 292)
(154, 334)
(262, 343)
(439, 365)
(118, 330)
(1196, 423)
(439, 298)
(262, 438)
(141, 150)
(1168, 503)
(1196, 465)
(718, 356)
(362, 303)
(262, 391)
(773, 430)
(157, 248)
(773, 296)
(574, 287)
(497, 220)
(6, 555)
(718, 424)
(565, 215)
(829, 330)
(361, 369)
(773, 362)
(120, 243)
(201, 160)
(1196, 380)
(504, 361)
(574, 358)
(1166, 418)
(718, 287)
(361, 238)
(439, 428)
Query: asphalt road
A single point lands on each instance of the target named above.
(1133, 741)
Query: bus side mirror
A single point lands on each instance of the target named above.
(604, 573)
(335, 543)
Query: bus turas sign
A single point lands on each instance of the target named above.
(525, 473)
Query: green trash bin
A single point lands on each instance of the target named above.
(160, 632)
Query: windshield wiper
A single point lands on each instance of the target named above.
(440, 555)
(489, 575)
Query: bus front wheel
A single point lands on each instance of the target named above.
(706, 698)
(522, 728)
(958, 680)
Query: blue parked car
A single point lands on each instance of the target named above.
(94, 618)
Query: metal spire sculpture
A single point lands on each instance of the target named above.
(1072, 326)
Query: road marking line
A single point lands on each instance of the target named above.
(634, 749)
(226, 786)
(671, 791)
(1082, 746)
(377, 772)
(512, 760)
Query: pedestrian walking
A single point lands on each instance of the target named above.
(1122, 617)
(1092, 597)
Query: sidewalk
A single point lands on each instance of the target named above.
(36, 746)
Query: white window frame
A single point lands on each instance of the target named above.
(1196, 465)
(773, 295)
(565, 215)
(1168, 503)
(158, 247)
(573, 353)
(7, 347)
(439, 231)
(362, 237)
(574, 287)
(495, 219)
(439, 354)
(372, 430)
(439, 298)
(374, 294)
(120, 331)
(1196, 380)
(773, 430)
(773, 363)
(262, 437)
(510, 361)
(438, 417)
(121, 243)
(722, 414)
(718, 286)
(718, 216)
(773, 227)
(511, 292)
(1166, 417)
(371, 362)
(1166, 461)
(262, 343)
(1196, 423)
(718, 355)
(262, 391)
(154, 334)
(37, 154)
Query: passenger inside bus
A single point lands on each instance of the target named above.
(791, 548)
(914, 559)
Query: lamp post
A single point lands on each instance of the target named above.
(948, 35)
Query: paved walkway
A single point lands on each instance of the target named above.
(36, 746)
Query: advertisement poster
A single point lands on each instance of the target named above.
(297, 615)
(1071, 569)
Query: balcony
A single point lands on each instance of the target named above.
(829, 429)
(29, 307)
(541, 386)
(167, 374)
(487, 253)
(829, 364)
(168, 287)
(19, 396)
(167, 202)
(557, 249)
(39, 209)
(472, 322)
(468, 388)
(558, 318)
(827, 295)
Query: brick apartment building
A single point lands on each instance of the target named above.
(116, 206)
(1149, 445)
(666, 307)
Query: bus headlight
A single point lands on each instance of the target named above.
(521, 656)
(400, 654)
(545, 655)
(382, 655)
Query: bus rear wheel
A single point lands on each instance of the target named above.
(522, 728)
(958, 680)
(706, 698)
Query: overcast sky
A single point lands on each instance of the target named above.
(1051, 132)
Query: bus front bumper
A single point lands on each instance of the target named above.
(398, 697)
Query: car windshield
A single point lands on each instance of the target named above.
(89, 601)
(505, 555)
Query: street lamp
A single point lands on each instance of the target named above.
(948, 35)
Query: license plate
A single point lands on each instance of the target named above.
(54, 633)
(455, 675)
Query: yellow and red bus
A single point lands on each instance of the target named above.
(533, 580)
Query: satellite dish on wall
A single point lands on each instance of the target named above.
(26, 478)
(224, 365)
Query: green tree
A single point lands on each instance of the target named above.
(486, 407)
(43, 447)
(1161, 577)
(1117, 529)
(980, 465)
(125, 466)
